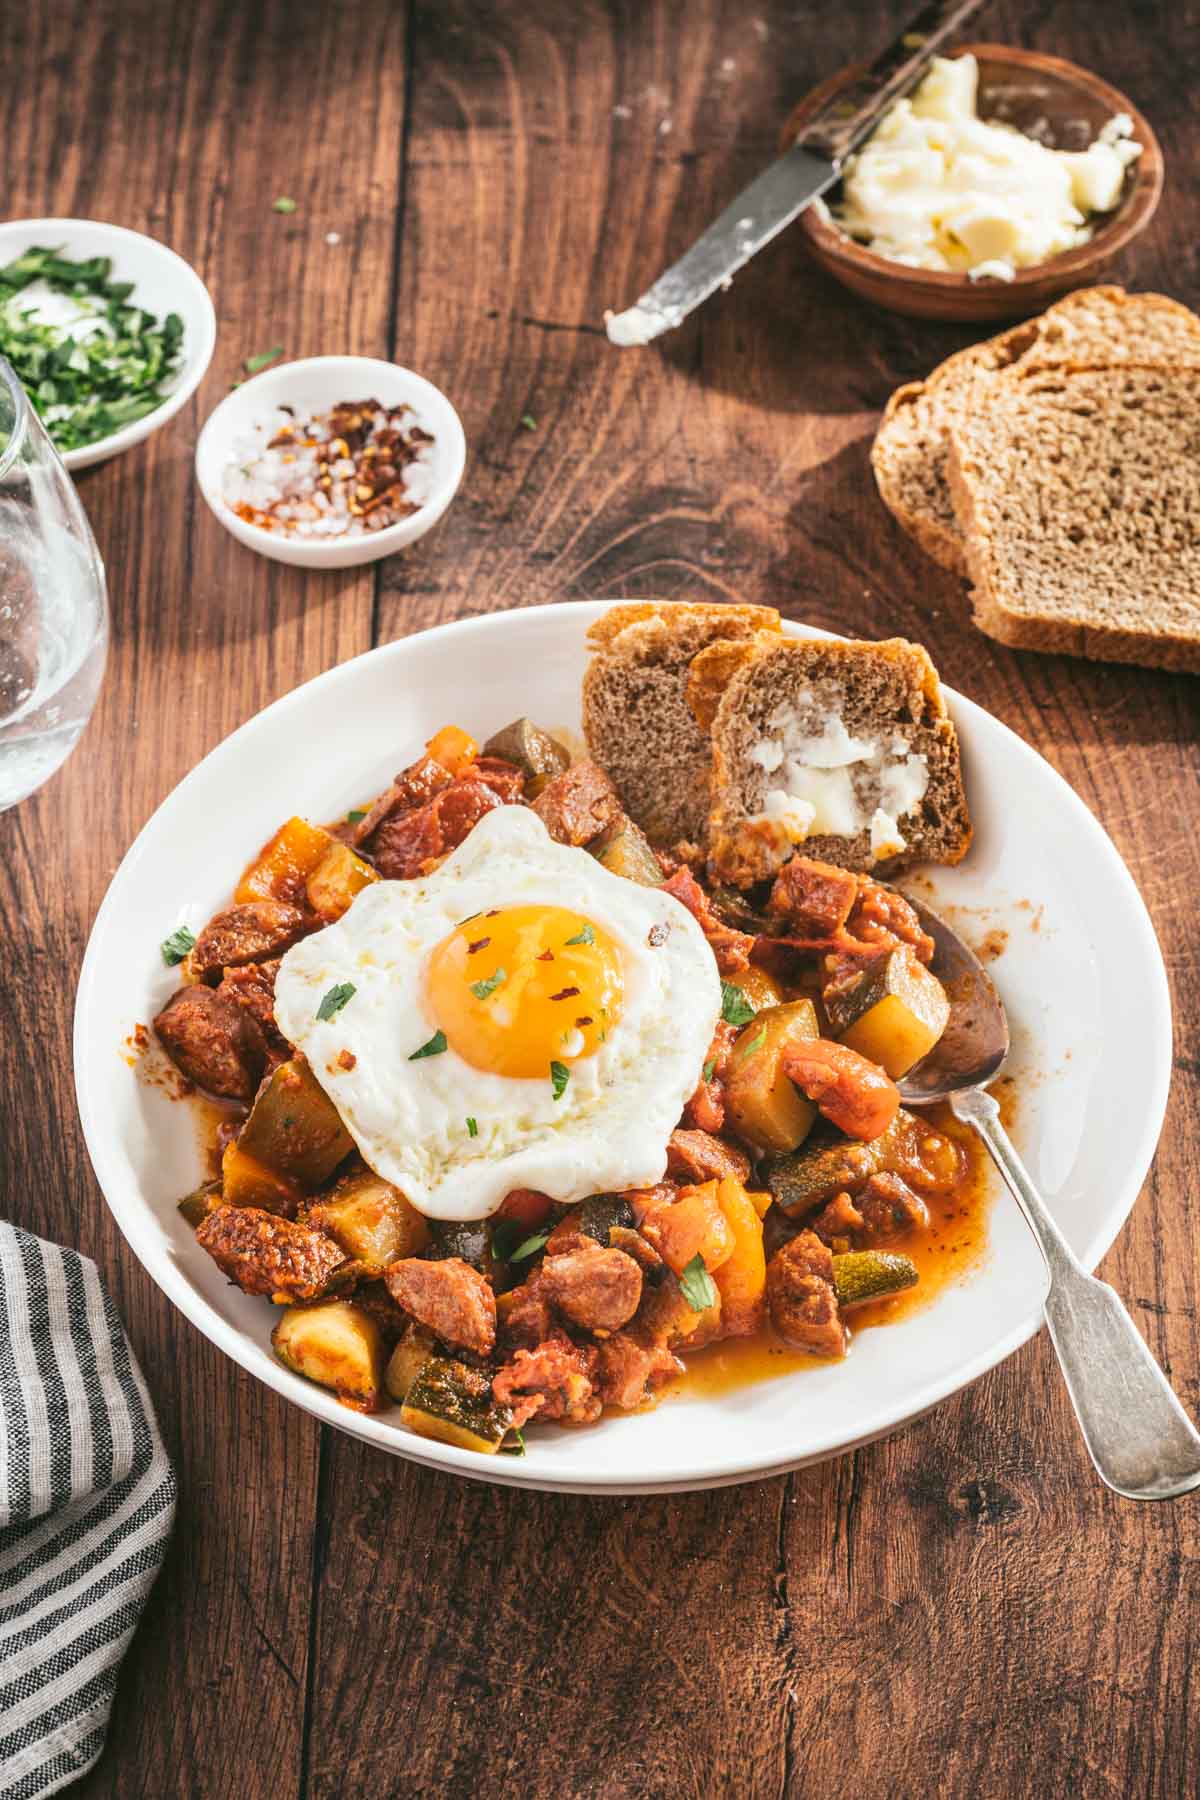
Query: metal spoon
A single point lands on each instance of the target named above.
(1139, 1437)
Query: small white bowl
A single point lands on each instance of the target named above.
(162, 283)
(318, 383)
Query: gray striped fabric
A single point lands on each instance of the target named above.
(87, 1497)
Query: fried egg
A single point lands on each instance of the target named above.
(520, 1018)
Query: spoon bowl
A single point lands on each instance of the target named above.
(1141, 1441)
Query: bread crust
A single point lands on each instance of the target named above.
(913, 430)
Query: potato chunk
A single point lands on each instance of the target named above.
(337, 878)
(335, 1344)
(371, 1220)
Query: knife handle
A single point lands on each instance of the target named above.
(850, 115)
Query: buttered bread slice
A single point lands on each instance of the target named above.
(636, 717)
(842, 750)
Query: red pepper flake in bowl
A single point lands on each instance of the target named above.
(355, 469)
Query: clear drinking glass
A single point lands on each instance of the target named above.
(53, 603)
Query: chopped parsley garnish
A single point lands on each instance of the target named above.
(101, 370)
(354, 815)
(435, 1047)
(528, 422)
(584, 936)
(756, 1043)
(516, 1448)
(335, 999)
(696, 1285)
(559, 1076)
(735, 1008)
(472, 1125)
(482, 989)
(176, 947)
(709, 1070)
(509, 1245)
(283, 205)
(262, 359)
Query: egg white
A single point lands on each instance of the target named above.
(609, 1129)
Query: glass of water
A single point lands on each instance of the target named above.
(53, 603)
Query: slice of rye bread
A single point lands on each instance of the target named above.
(635, 713)
(1078, 495)
(1097, 325)
(877, 689)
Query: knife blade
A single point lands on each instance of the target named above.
(805, 171)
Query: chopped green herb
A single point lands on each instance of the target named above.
(335, 999)
(511, 1246)
(709, 1070)
(434, 1047)
(735, 1008)
(253, 364)
(472, 1127)
(584, 936)
(528, 422)
(696, 1285)
(482, 989)
(176, 947)
(283, 205)
(95, 373)
(517, 1448)
(354, 815)
(530, 1246)
(559, 1076)
(756, 1043)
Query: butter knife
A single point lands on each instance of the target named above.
(808, 169)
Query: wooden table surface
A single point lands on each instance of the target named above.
(961, 1609)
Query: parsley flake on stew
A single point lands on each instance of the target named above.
(697, 1285)
(735, 1008)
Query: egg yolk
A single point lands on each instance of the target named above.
(521, 987)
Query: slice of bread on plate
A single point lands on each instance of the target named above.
(636, 717)
(844, 751)
(1077, 492)
(1102, 325)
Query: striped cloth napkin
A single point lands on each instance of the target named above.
(87, 1497)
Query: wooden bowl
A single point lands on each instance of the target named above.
(1023, 88)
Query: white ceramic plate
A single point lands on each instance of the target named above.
(162, 283)
(1082, 977)
(318, 383)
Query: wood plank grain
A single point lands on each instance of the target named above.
(961, 1609)
(187, 123)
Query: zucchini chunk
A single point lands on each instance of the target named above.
(829, 1164)
(464, 1238)
(336, 1344)
(764, 1106)
(597, 1215)
(453, 1403)
(294, 1128)
(893, 1014)
(371, 1220)
(625, 850)
(861, 1275)
(196, 1206)
(406, 1361)
(533, 750)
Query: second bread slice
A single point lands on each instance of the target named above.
(1078, 495)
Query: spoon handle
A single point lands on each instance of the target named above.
(1139, 1437)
